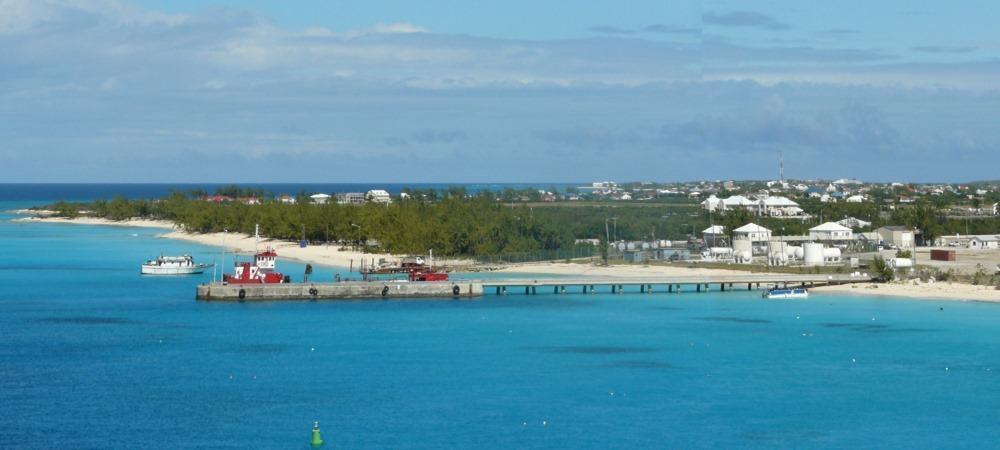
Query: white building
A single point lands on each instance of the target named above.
(287, 199)
(773, 206)
(899, 236)
(320, 199)
(378, 196)
(716, 204)
(350, 198)
(712, 234)
(753, 233)
(855, 199)
(778, 207)
(831, 231)
(983, 242)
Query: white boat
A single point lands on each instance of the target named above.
(173, 265)
(777, 292)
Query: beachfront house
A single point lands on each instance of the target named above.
(900, 236)
(319, 199)
(379, 196)
(350, 198)
(831, 231)
(984, 242)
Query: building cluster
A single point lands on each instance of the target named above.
(824, 245)
(765, 206)
(352, 198)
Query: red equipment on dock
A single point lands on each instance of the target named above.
(260, 271)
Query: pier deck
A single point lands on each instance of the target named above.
(341, 290)
(476, 288)
(697, 283)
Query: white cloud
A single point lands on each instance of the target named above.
(398, 28)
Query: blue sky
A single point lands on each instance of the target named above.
(513, 91)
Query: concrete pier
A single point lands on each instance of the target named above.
(343, 290)
(617, 285)
(476, 288)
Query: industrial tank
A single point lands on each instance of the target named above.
(900, 263)
(742, 245)
(812, 254)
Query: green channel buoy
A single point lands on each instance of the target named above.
(317, 440)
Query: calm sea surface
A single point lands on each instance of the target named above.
(92, 355)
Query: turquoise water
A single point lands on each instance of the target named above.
(94, 356)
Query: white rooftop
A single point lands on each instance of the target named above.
(752, 228)
(829, 226)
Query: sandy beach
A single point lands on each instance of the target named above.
(929, 291)
(328, 255)
(331, 255)
(141, 223)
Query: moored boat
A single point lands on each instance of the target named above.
(778, 292)
(259, 271)
(173, 265)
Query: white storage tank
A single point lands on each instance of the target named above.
(664, 243)
(831, 255)
(645, 245)
(812, 254)
(621, 246)
(744, 256)
(900, 263)
(742, 245)
(797, 252)
(630, 246)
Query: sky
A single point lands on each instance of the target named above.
(497, 91)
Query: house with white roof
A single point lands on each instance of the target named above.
(753, 233)
(712, 234)
(378, 196)
(831, 231)
(319, 199)
(777, 206)
(773, 206)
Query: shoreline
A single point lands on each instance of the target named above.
(335, 257)
(921, 291)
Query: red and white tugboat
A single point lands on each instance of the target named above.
(260, 271)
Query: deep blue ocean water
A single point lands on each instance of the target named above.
(92, 355)
(20, 192)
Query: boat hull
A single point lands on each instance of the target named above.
(161, 270)
(778, 294)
